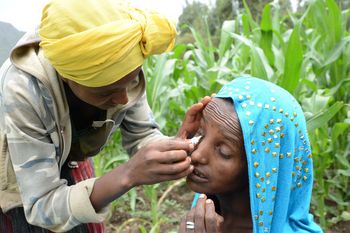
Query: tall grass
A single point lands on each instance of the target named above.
(307, 53)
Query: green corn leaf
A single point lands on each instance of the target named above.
(267, 34)
(179, 50)
(210, 47)
(344, 172)
(259, 63)
(257, 66)
(155, 228)
(345, 215)
(309, 84)
(132, 201)
(334, 21)
(321, 119)
(342, 160)
(337, 51)
(338, 129)
(226, 40)
(293, 61)
(251, 21)
(116, 160)
(142, 229)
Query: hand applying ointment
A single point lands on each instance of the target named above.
(195, 141)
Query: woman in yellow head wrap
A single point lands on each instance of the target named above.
(66, 89)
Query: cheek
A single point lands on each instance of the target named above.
(229, 176)
(80, 93)
(92, 99)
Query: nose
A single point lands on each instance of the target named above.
(120, 97)
(199, 155)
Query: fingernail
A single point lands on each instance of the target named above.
(208, 201)
(191, 147)
(202, 195)
(191, 167)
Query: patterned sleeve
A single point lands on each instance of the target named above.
(47, 200)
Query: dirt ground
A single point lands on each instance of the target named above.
(182, 196)
(342, 227)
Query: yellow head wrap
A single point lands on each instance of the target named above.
(97, 42)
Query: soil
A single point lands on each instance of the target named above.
(180, 199)
(342, 227)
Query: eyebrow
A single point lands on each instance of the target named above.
(111, 89)
(229, 136)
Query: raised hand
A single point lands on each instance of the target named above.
(160, 161)
(192, 119)
(202, 218)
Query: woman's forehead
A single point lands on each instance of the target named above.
(224, 106)
(221, 111)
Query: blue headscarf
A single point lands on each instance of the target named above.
(278, 155)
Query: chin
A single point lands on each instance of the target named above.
(102, 107)
(105, 107)
(197, 187)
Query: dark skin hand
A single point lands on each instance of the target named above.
(192, 119)
(160, 161)
(204, 217)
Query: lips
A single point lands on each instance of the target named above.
(199, 173)
(198, 176)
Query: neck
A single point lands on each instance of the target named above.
(235, 208)
(79, 108)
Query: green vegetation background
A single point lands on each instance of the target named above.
(307, 52)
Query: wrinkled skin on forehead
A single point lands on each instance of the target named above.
(222, 112)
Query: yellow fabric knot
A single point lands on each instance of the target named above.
(97, 42)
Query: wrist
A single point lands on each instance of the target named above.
(127, 178)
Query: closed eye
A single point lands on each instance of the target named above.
(226, 154)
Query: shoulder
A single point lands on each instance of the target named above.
(15, 81)
(22, 95)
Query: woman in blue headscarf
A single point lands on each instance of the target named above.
(253, 161)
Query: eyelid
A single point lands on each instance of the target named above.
(224, 155)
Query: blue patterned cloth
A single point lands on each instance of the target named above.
(278, 155)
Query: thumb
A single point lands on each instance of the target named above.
(220, 223)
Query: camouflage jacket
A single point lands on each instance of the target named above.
(36, 134)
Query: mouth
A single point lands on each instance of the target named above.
(198, 176)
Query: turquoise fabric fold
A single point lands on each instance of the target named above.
(278, 153)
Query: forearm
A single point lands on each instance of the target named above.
(160, 161)
(111, 186)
